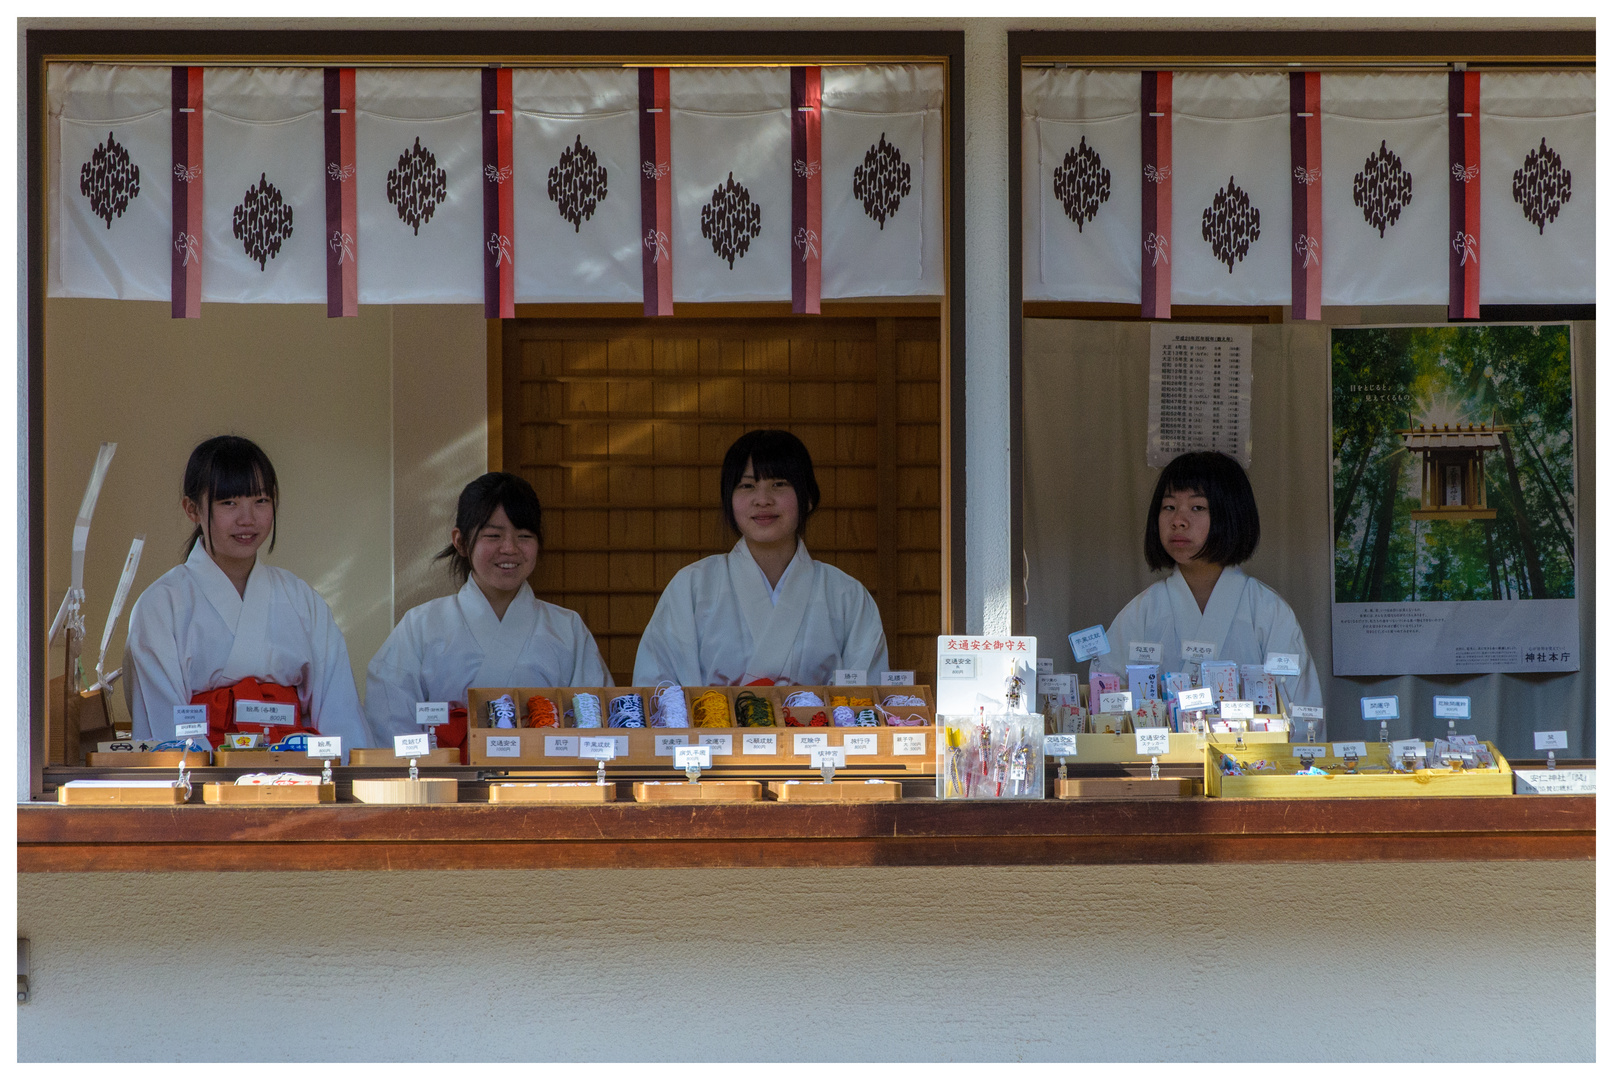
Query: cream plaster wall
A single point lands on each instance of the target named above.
(1350, 962)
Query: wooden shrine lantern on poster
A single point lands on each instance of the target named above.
(1452, 457)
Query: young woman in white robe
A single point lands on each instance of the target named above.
(223, 627)
(1201, 524)
(766, 611)
(493, 632)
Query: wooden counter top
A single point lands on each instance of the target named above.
(914, 832)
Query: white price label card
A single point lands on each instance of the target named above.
(1237, 710)
(1197, 699)
(1052, 685)
(184, 731)
(720, 744)
(1153, 741)
(1282, 663)
(411, 746)
(1196, 652)
(1305, 712)
(908, 743)
(1453, 708)
(896, 678)
(829, 756)
(851, 677)
(504, 746)
(666, 745)
(265, 713)
(189, 715)
(1118, 702)
(695, 757)
(760, 744)
(806, 742)
(1401, 747)
(1554, 781)
(956, 667)
(1380, 708)
(1309, 750)
(860, 745)
(560, 746)
(1086, 644)
(1059, 746)
(1044, 665)
(1146, 652)
(1345, 749)
(1551, 740)
(599, 748)
(430, 713)
(325, 747)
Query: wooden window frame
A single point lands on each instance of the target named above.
(523, 47)
(1268, 50)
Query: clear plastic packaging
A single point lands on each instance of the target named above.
(990, 756)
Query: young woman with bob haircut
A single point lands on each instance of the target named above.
(493, 632)
(222, 627)
(766, 611)
(1202, 524)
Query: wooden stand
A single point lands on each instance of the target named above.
(1123, 787)
(150, 759)
(167, 795)
(836, 791)
(266, 759)
(383, 756)
(268, 794)
(705, 791)
(406, 792)
(574, 793)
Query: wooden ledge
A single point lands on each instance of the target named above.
(917, 832)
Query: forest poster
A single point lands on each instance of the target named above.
(1453, 500)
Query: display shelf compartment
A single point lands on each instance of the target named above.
(402, 791)
(580, 792)
(835, 791)
(1186, 747)
(703, 791)
(268, 794)
(149, 759)
(1123, 787)
(1423, 783)
(122, 795)
(383, 756)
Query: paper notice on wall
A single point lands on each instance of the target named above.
(1199, 380)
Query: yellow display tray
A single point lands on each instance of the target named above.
(1337, 784)
(1185, 748)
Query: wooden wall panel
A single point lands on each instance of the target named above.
(621, 425)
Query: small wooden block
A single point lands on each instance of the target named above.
(405, 792)
(121, 796)
(268, 794)
(580, 792)
(383, 756)
(1124, 787)
(151, 759)
(836, 791)
(704, 791)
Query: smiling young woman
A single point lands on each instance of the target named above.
(493, 631)
(223, 627)
(1201, 524)
(766, 612)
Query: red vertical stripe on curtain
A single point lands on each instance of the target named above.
(1465, 190)
(655, 186)
(498, 194)
(341, 195)
(1305, 145)
(806, 190)
(187, 198)
(1156, 224)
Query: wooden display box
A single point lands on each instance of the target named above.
(373, 756)
(1283, 784)
(268, 759)
(836, 791)
(1123, 787)
(150, 759)
(579, 792)
(79, 794)
(1186, 748)
(705, 791)
(405, 792)
(227, 794)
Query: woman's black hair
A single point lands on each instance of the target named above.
(228, 467)
(773, 455)
(1234, 518)
(477, 502)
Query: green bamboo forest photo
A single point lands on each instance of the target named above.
(1453, 463)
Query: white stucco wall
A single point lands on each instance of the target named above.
(1218, 962)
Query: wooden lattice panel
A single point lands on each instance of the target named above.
(621, 426)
